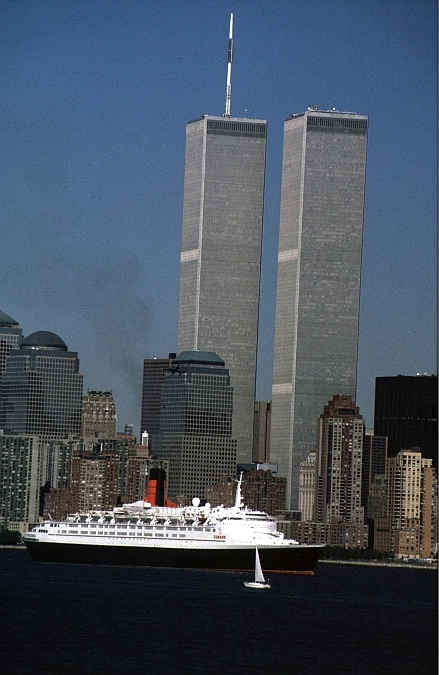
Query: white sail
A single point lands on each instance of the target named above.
(259, 581)
(259, 575)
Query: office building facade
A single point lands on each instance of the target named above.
(99, 418)
(307, 487)
(339, 463)
(22, 469)
(318, 287)
(196, 424)
(58, 504)
(137, 478)
(262, 491)
(406, 410)
(59, 461)
(223, 492)
(95, 482)
(221, 253)
(346, 535)
(261, 432)
(154, 373)
(10, 337)
(409, 528)
(41, 389)
(374, 465)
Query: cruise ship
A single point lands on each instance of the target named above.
(191, 537)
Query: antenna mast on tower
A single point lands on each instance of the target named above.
(229, 68)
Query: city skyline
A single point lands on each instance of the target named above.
(96, 102)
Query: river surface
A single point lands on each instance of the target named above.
(101, 620)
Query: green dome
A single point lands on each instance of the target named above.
(44, 339)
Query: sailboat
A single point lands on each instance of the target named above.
(259, 581)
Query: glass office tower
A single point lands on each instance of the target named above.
(41, 389)
(196, 424)
(10, 337)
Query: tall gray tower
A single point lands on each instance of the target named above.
(318, 287)
(221, 251)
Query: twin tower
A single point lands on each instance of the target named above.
(319, 267)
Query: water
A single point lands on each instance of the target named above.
(137, 621)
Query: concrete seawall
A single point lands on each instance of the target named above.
(382, 563)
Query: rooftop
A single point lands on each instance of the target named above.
(44, 339)
(195, 356)
(6, 320)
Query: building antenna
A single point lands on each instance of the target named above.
(229, 68)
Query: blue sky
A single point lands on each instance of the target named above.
(95, 99)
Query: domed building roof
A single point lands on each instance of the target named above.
(44, 339)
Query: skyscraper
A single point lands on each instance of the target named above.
(10, 337)
(41, 389)
(318, 287)
(154, 373)
(221, 253)
(374, 467)
(99, 417)
(21, 477)
(261, 432)
(196, 424)
(307, 487)
(406, 412)
(339, 463)
(221, 249)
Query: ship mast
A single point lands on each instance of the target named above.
(229, 68)
(238, 496)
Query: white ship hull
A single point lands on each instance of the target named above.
(191, 537)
